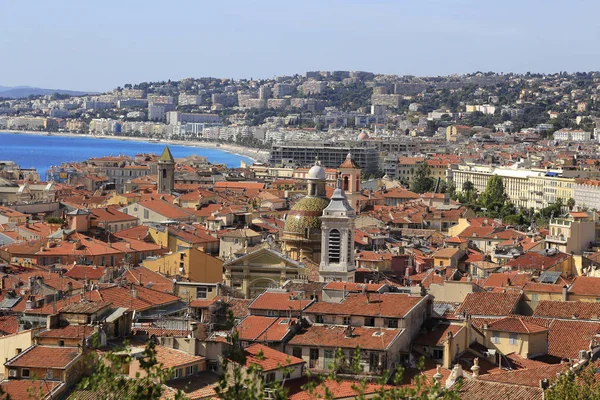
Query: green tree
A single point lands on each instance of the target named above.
(108, 383)
(570, 203)
(493, 197)
(422, 182)
(575, 386)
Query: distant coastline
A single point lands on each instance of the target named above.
(253, 154)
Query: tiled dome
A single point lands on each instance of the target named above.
(306, 213)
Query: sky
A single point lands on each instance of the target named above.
(99, 45)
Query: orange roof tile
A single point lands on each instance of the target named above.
(45, 357)
(269, 359)
(393, 305)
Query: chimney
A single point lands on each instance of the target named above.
(475, 368)
(544, 383)
(133, 291)
(29, 303)
(368, 297)
(565, 290)
(348, 333)
(448, 348)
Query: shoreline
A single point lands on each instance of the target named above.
(255, 155)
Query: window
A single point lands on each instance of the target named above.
(319, 319)
(297, 352)
(334, 245)
(201, 293)
(271, 313)
(146, 214)
(164, 173)
(513, 338)
(188, 371)
(306, 233)
(346, 321)
(438, 354)
(49, 374)
(61, 343)
(535, 297)
(181, 256)
(369, 321)
(25, 373)
(178, 373)
(392, 323)
(270, 377)
(329, 359)
(495, 337)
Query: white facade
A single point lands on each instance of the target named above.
(570, 135)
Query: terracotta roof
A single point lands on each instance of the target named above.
(9, 324)
(68, 332)
(165, 209)
(342, 389)
(489, 303)
(536, 260)
(543, 287)
(280, 301)
(353, 286)
(395, 305)
(239, 307)
(526, 377)
(336, 336)
(84, 272)
(585, 286)
(149, 279)
(146, 298)
(515, 325)
(253, 326)
(169, 357)
(22, 389)
(476, 389)
(567, 309)
(269, 359)
(45, 357)
(85, 307)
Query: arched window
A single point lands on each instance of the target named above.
(334, 245)
(346, 183)
(164, 173)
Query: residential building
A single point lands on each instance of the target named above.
(572, 135)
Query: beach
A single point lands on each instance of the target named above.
(256, 155)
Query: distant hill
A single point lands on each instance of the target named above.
(24, 91)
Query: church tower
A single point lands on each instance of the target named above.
(350, 174)
(166, 172)
(337, 240)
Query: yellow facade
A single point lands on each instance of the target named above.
(523, 344)
(190, 263)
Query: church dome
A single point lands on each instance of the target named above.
(304, 214)
(316, 172)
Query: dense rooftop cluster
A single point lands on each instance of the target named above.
(453, 220)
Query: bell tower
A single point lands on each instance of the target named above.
(166, 171)
(349, 172)
(337, 240)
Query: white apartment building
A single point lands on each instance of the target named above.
(190, 100)
(529, 188)
(572, 135)
(587, 194)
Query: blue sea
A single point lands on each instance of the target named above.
(42, 152)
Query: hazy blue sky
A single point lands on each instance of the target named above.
(98, 45)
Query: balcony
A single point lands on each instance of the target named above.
(556, 239)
